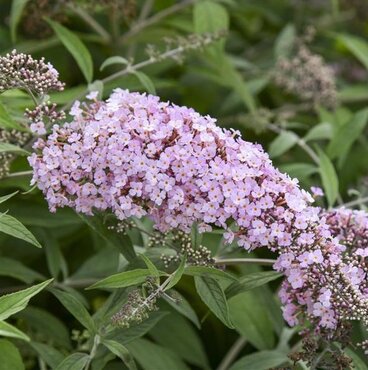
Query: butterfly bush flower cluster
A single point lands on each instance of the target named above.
(138, 156)
(134, 155)
(326, 272)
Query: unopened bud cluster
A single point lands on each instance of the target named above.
(182, 244)
(138, 305)
(364, 346)
(18, 70)
(307, 76)
(43, 115)
(122, 227)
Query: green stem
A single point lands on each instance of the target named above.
(232, 354)
(236, 261)
(147, 62)
(301, 143)
(91, 22)
(18, 174)
(92, 354)
(130, 69)
(318, 359)
(30, 93)
(154, 19)
(355, 202)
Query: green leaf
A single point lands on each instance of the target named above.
(122, 279)
(6, 197)
(55, 259)
(251, 320)
(346, 134)
(76, 48)
(113, 60)
(178, 274)
(151, 268)
(16, 12)
(104, 263)
(183, 307)
(213, 296)
(358, 362)
(46, 325)
(187, 344)
(299, 170)
(285, 41)
(15, 302)
(329, 178)
(353, 93)
(10, 358)
(32, 213)
(251, 281)
(74, 306)
(7, 330)
(11, 226)
(357, 46)
(10, 148)
(6, 121)
(121, 242)
(319, 132)
(151, 356)
(209, 16)
(121, 351)
(232, 78)
(263, 360)
(145, 81)
(282, 143)
(138, 330)
(50, 355)
(211, 272)
(76, 361)
(15, 269)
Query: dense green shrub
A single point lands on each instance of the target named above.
(109, 294)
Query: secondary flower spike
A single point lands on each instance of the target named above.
(327, 281)
(135, 155)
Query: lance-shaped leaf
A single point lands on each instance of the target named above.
(121, 351)
(76, 361)
(7, 330)
(250, 281)
(15, 302)
(11, 226)
(75, 307)
(76, 47)
(121, 242)
(10, 358)
(10, 148)
(122, 279)
(213, 296)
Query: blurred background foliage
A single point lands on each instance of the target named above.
(289, 74)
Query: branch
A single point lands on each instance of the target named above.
(236, 261)
(301, 143)
(232, 354)
(91, 22)
(155, 18)
(18, 174)
(355, 202)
